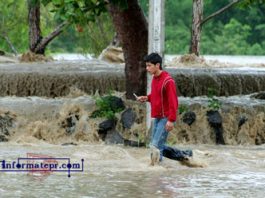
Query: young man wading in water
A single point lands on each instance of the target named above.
(164, 105)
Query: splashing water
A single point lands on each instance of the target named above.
(231, 171)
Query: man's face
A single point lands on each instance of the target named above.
(152, 68)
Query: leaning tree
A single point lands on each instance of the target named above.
(198, 21)
(37, 41)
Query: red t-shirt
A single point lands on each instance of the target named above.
(163, 97)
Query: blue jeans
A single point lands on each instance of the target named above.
(159, 138)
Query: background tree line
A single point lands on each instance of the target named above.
(239, 31)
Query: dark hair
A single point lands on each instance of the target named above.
(154, 58)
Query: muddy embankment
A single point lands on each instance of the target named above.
(64, 120)
(67, 121)
(241, 120)
(56, 105)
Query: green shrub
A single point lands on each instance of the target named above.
(213, 102)
(183, 109)
(107, 107)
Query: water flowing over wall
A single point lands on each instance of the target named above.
(225, 81)
(56, 79)
(242, 121)
(67, 120)
(50, 85)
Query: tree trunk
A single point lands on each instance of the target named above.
(198, 21)
(40, 48)
(38, 44)
(131, 27)
(197, 16)
(34, 25)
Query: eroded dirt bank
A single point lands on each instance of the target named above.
(67, 120)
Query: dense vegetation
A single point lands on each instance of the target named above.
(240, 30)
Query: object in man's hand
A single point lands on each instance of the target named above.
(135, 96)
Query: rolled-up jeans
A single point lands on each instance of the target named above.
(158, 139)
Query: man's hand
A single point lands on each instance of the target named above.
(142, 98)
(169, 126)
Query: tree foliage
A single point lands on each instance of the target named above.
(88, 18)
(13, 25)
(80, 12)
(221, 31)
(218, 34)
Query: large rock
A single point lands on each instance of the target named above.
(104, 127)
(128, 118)
(114, 137)
(215, 121)
(7, 120)
(189, 117)
(214, 118)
